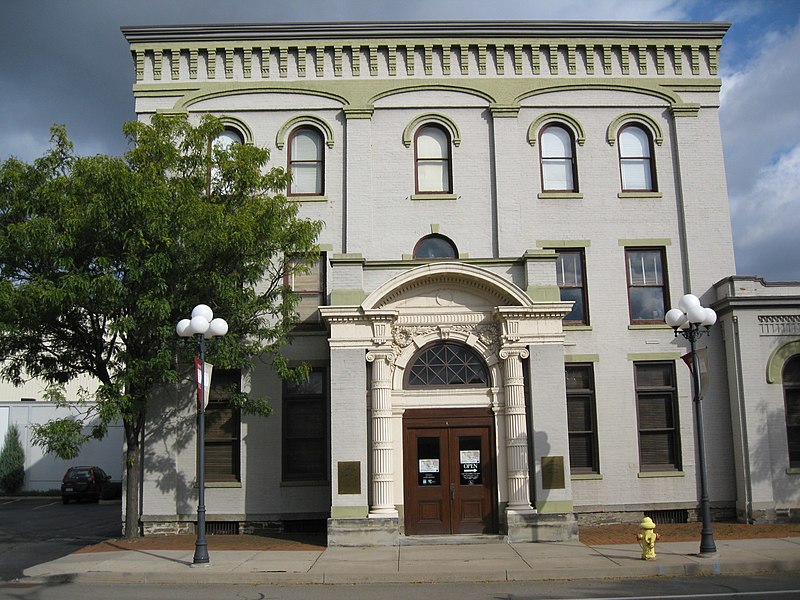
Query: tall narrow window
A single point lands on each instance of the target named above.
(310, 287)
(636, 160)
(432, 158)
(557, 154)
(572, 285)
(224, 141)
(657, 406)
(306, 162)
(791, 395)
(647, 289)
(435, 247)
(581, 419)
(222, 434)
(305, 441)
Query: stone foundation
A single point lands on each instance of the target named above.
(364, 532)
(536, 527)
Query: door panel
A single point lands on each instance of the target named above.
(449, 477)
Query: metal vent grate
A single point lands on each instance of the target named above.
(666, 517)
(222, 527)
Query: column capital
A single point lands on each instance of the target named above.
(512, 352)
(386, 354)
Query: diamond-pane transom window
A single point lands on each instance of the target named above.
(444, 365)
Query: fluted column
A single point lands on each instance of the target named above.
(516, 429)
(382, 477)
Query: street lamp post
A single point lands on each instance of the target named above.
(204, 325)
(691, 320)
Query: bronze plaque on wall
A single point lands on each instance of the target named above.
(553, 473)
(350, 477)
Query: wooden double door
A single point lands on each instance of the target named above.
(449, 471)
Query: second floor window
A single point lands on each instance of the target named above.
(432, 161)
(306, 162)
(310, 287)
(636, 160)
(647, 288)
(572, 285)
(557, 154)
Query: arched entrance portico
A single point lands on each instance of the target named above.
(437, 304)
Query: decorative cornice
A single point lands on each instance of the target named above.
(523, 44)
(427, 29)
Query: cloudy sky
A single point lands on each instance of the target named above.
(65, 61)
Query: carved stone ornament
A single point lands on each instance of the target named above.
(488, 334)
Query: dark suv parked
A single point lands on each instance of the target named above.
(83, 483)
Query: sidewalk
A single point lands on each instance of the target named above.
(497, 561)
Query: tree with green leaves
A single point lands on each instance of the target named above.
(101, 256)
(12, 462)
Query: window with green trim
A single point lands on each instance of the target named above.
(306, 162)
(433, 167)
(647, 285)
(572, 284)
(557, 157)
(791, 396)
(636, 165)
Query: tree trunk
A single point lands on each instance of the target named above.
(133, 476)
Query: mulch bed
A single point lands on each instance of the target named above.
(606, 535)
(601, 535)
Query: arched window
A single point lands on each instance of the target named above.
(435, 247)
(306, 162)
(223, 142)
(228, 138)
(446, 364)
(636, 160)
(557, 156)
(432, 160)
(791, 396)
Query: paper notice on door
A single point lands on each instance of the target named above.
(469, 456)
(429, 465)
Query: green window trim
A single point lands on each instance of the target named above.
(778, 359)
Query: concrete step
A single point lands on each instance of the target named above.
(427, 540)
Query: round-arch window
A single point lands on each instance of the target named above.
(435, 247)
(446, 365)
(791, 396)
(228, 138)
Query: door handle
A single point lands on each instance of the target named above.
(452, 491)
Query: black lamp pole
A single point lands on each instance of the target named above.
(692, 321)
(201, 545)
(707, 545)
(205, 325)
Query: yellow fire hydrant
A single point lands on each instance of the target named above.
(647, 538)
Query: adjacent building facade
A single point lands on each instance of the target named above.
(510, 208)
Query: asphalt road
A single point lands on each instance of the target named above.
(34, 531)
(775, 586)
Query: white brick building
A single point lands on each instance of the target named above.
(474, 179)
